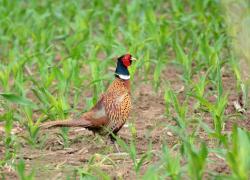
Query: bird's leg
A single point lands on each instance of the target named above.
(113, 141)
(112, 137)
(96, 136)
(117, 147)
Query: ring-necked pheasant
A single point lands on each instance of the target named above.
(112, 110)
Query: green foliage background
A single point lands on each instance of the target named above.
(52, 51)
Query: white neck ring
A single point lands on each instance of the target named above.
(124, 77)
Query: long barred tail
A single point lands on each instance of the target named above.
(66, 123)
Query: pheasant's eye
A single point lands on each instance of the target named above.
(126, 60)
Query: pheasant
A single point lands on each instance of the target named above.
(112, 110)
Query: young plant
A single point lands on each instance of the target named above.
(196, 160)
(64, 134)
(4, 77)
(180, 109)
(171, 163)
(20, 168)
(93, 169)
(32, 127)
(157, 72)
(132, 151)
(199, 88)
(216, 109)
(217, 112)
(183, 59)
(54, 107)
(9, 139)
(151, 174)
(238, 154)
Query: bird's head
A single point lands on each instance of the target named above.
(123, 63)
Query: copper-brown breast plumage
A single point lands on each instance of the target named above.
(117, 104)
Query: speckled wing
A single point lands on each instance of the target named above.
(97, 115)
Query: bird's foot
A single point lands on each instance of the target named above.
(112, 142)
(117, 147)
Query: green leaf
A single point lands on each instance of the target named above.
(16, 99)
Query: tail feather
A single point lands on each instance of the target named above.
(66, 123)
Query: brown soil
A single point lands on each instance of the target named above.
(53, 161)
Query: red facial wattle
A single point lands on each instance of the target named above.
(126, 60)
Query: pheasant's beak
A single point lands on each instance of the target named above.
(133, 59)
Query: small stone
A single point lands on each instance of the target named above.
(169, 134)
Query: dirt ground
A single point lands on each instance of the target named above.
(148, 114)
